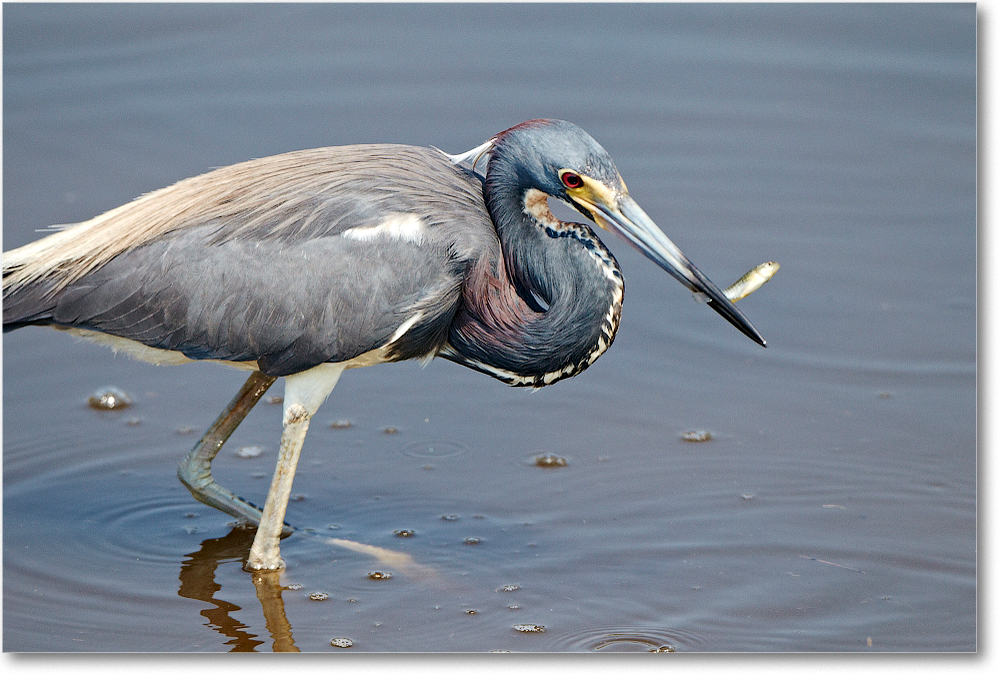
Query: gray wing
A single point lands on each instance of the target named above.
(323, 276)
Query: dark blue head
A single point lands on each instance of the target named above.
(540, 152)
(565, 162)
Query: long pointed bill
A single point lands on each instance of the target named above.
(632, 223)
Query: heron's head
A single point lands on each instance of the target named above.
(565, 162)
(561, 160)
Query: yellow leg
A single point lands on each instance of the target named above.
(304, 393)
(264, 554)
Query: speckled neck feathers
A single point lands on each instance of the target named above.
(551, 305)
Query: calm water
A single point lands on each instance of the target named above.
(834, 508)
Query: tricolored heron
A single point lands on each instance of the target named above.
(304, 264)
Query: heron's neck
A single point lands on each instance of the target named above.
(548, 306)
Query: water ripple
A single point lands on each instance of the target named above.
(630, 639)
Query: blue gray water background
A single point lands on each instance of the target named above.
(833, 509)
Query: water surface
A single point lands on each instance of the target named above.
(834, 507)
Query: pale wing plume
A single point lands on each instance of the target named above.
(254, 190)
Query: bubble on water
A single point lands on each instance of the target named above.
(529, 628)
(248, 452)
(109, 398)
(696, 436)
(508, 588)
(341, 424)
(319, 596)
(472, 541)
(550, 460)
(379, 575)
(404, 533)
(341, 642)
(449, 517)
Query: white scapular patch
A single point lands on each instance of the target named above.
(399, 226)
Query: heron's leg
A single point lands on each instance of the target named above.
(264, 554)
(195, 471)
(304, 392)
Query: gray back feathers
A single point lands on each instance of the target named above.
(320, 190)
(290, 261)
(359, 253)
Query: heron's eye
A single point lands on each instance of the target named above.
(571, 180)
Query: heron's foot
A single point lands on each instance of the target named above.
(265, 553)
(264, 563)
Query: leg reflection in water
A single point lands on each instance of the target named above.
(197, 579)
